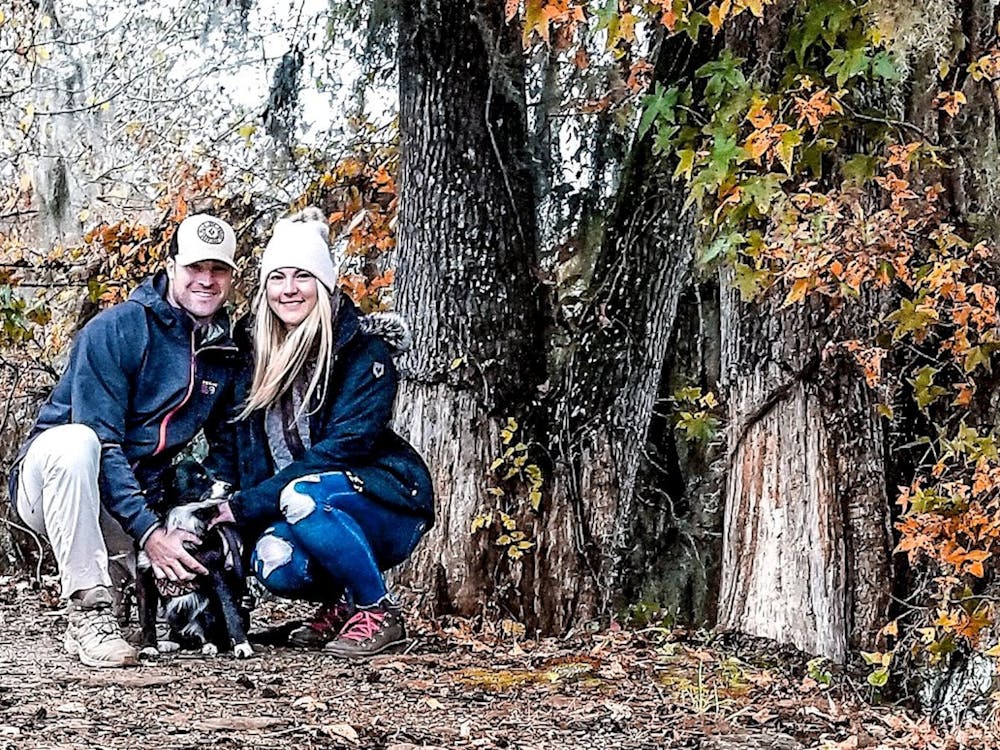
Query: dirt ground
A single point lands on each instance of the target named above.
(453, 688)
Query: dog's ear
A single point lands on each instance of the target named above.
(169, 476)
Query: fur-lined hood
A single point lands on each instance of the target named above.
(391, 328)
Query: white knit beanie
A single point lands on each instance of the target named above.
(301, 241)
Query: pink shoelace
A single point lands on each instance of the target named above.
(363, 625)
(328, 618)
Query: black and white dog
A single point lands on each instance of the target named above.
(207, 613)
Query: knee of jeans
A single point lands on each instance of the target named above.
(270, 554)
(296, 505)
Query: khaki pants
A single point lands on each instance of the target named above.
(58, 497)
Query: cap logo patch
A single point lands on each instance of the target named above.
(378, 369)
(211, 232)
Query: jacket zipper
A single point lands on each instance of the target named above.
(162, 444)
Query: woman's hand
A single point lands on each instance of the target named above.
(224, 514)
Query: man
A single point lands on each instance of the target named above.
(143, 378)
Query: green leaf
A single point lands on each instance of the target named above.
(726, 151)
(657, 106)
(924, 391)
(722, 246)
(750, 281)
(723, 77)
(911, 317)
(860, 168)
(883, 67)
(879, 677)
(847, 63)
(685, 163)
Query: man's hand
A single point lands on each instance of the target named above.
(170, 558)
(223, 515)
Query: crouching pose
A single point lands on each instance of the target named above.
(333, 496)
(143, 379)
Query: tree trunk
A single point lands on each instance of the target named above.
(601, 413)
(673, 556)
(466, 253)
(807, 538)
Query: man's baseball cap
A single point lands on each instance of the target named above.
(202, 237)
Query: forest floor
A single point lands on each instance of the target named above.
(453, 688)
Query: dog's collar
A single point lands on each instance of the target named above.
(170, 589)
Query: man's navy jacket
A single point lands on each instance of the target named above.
(146, 380)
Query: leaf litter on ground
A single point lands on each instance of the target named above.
(456, 686)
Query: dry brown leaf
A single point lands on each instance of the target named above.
(344, 731)
(240, 723)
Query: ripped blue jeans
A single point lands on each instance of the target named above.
(333, 540)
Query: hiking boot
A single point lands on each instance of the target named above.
(323, 627)
(93, 633)
(371, 631)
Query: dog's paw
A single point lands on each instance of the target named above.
(149, 653)
(168, 647)
(242, 650)
(209, 649)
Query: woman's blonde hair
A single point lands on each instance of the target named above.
(280, 357)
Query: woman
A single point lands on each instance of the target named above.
(331, 494)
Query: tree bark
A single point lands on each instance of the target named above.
(466, 243)
(602, 410)
(807, 538)
(673, 555)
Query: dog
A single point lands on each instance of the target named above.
(207, 613)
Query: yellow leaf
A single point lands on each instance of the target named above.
(29, 117)
(496, 464)
(798, 291)
(626, 27)
(715, 19)
(685, 163)
(535, 498)
(535, 21)
(993, 652)
(892, 629)
(456, 363)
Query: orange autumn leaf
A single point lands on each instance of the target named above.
(950, 101)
